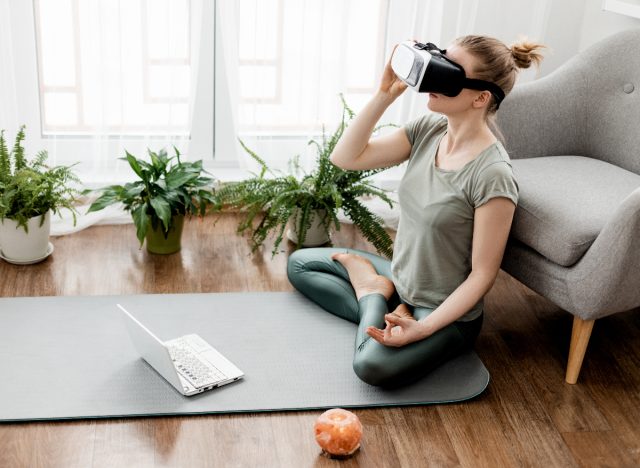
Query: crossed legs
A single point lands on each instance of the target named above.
(357, 286)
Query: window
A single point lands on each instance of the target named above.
(97, 77)
(296, 56)
(114, 67)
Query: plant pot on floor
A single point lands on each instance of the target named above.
(25, 246)
(316, 234)
(160, 243)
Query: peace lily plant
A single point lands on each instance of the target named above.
(166, 191)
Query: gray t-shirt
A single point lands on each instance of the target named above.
(432, 251)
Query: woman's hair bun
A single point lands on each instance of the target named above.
(526, 52)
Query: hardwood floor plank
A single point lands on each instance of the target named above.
(477, 435)
(522, 411)
(297, 429)
(243, 440)
(57, 444)
(127, 442)
(599, 449)
(419, 438)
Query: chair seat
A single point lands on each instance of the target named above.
(565, 201)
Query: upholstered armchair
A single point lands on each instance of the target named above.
(574, 140)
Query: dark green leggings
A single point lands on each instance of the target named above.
(326, 282)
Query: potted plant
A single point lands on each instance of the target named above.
(307, 206)
(29, 192)
(168, 189)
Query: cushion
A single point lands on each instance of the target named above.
(565, 201)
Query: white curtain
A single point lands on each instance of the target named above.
(108, 76)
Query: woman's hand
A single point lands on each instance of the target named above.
(390, 84)
(399, 331)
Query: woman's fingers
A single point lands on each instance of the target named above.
(375, 333)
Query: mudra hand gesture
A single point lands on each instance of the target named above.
(401, 329)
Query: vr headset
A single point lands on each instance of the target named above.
(425, 69)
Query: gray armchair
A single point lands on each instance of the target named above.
(574, 140)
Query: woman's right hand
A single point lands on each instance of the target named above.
(390, 84)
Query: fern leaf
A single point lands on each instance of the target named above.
(370, 226)
(19, 160)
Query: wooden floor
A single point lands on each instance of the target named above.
(527, 417)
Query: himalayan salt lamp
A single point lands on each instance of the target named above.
(338, 432)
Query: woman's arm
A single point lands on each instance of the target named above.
(492, 223)
(356, 150)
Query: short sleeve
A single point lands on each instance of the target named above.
(496, 180)
(419, 127)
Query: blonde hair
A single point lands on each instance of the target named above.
(498, 63)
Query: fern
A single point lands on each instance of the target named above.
(271, 201)
(33, 188)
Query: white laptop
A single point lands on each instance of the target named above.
(188, 363)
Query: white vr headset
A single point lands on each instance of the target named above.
(425, 69)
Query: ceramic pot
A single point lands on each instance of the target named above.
(25, 246)
(316, 234)
(157, 243)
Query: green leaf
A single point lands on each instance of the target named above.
(155, 161)
(104, 200)
(178, 179)
(132, 191)
(141, 220)
(163, 211)
(133, 162)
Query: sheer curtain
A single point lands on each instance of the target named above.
(93, 78)
(289, 60)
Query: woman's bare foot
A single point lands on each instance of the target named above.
(403, 311)
(363, 276)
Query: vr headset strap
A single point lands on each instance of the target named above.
(482, 85)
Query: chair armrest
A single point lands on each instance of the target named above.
(546, 117)
(607, 277)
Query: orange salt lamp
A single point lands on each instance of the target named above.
(338, 432)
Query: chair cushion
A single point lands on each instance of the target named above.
(565, 201)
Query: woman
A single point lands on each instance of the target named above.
(457, 199)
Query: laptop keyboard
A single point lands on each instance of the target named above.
(194, 369)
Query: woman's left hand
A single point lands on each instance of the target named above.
(399, 331)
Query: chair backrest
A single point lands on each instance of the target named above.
(590, 106)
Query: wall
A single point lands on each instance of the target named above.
(598, 24)
(574, 25)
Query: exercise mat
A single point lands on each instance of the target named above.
(71, 357)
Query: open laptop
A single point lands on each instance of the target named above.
(188, 363)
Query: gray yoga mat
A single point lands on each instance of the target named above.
(71, 357)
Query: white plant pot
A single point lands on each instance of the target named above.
(316, 234)
(21, 246)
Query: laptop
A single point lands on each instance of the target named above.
(188, 363)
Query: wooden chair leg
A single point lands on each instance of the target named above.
(580, 335)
